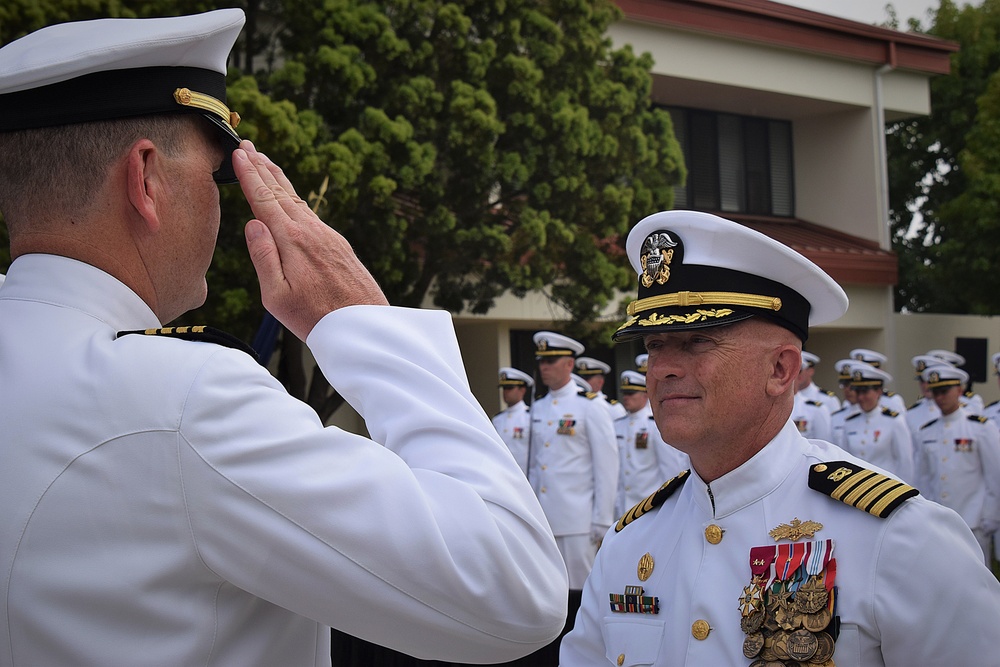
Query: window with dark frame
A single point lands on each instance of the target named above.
(736, 164)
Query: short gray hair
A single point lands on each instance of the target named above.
(56, 170)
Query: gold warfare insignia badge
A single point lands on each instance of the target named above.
(796, 530)
(655, 257)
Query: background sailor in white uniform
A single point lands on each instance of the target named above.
(875, 433)
(958, 457)
(594, 372)
(514, 422)
(645, 461)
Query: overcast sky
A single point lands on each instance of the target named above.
(873, 11)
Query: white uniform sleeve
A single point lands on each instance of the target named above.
(989, 455)
(425, 538)
(932, 555)
(604, 454)
(903, 442)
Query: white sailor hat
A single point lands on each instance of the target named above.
(945, 375)
(642, 362)
(866, 375)
(590, 366)
(996, 357)
(870, 357)
(923, 361)
(633, 381)
(809, 359)
(581, 383)
(698, 270)
(117, 68)
(843, 368)
(511, 377)
(551, 344)
(948, 356)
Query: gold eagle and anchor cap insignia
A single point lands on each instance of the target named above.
(697, 270)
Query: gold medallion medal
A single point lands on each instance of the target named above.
(645, 568)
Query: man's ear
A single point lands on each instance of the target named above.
(144, 181)
(786, 363)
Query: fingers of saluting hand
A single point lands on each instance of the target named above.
(306, 269)
(269, 192)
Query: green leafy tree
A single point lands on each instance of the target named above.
(942, 171)
(466, 149)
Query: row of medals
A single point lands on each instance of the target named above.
(785, 628)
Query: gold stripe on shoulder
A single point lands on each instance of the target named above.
(860, 487)
(653, 501)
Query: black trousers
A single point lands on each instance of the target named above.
(348, 651)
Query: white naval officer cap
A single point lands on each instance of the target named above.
(642, 363)
(995, 358)
(590, 366)
(632, 381)
(551, 344)
(581, 383)
(809, 360)
(843, 368)
(870, 357)
(922, 361)
(944, 375)
(511, 377)
(948, 356)
(865, 375)
(698, 270)
(105, 69)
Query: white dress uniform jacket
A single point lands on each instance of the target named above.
(167, 502)
(992, 412)
(514, 427)
(958, 465)
(881, 438)
(895, 607)
(615, 408)
(892, 401)
(838, 420)
(645, 461)
(829, 399)
(574, 460)
(921, 412)
(811, 418)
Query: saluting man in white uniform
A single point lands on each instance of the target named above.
(645, 461)
(774, 549)
(875, 433)
(514, 422)
(164, 500)
(958, 457)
